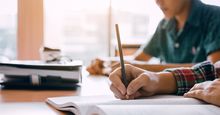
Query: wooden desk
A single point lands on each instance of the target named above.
(32, 102)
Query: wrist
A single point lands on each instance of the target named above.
(166, 83)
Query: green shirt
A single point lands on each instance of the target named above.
(199, 37)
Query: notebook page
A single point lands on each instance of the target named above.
(84, 103)
(159, 99)
(154, 110)
(80, 103)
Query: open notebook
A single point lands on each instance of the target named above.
(156, 105)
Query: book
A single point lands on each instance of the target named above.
(32, 73)
(155, 105)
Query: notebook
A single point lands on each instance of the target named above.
(156, 105)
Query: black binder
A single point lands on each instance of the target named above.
(35, 74)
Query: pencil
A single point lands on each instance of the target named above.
(123, 74)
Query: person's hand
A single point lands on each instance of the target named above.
(96, 67)
(208, 91)
(100, 66)
(141, 83)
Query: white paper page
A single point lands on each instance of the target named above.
(110, 100)
(154, 110)
(83, 103)
(158, 100)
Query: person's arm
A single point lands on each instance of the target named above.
(146, 83)
(159, 67)
(141, 56)
(99, 65)
(213, 57)
(141, 60)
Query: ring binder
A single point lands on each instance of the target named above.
(37, 74)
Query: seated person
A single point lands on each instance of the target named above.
(188, 34)
(202, 81)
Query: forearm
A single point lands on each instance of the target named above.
(166, 83)
(159, 67)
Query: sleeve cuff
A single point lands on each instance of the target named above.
(187, 77)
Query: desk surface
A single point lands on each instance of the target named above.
(22, 102)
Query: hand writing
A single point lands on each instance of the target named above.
(141, 83)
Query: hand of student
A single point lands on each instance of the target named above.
(141, 83)
(102, 67)
(96, 67)
(208, 91)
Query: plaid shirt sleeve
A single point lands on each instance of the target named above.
(187, 77)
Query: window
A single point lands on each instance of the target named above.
(8, 28)
(136, 17)
(80, 27)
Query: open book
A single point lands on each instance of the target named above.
(156, 105)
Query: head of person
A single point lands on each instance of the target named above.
(172, 8)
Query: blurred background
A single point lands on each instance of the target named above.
(82, 29)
